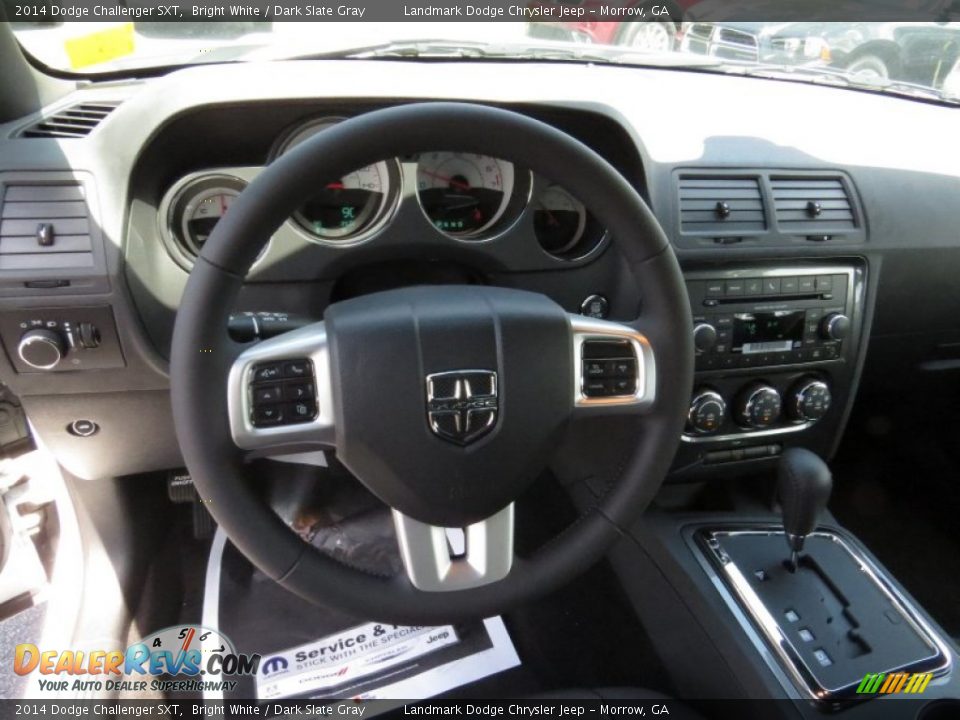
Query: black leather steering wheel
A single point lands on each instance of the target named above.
(446, 402)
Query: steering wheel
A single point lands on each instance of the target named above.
(445, 402)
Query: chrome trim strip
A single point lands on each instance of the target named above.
(586, 328)
(751, 435)
(426, 552)
(744, 598)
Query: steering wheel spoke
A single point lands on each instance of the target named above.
(279, 393)
(614, 369)
(441, 559)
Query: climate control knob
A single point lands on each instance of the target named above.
(706, 412)
(41, 349)
(704, 336)
(835, 326)
(809, 400)
(758, 406)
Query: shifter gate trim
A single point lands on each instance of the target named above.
(740, 596)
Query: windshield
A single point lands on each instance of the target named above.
(918, 59)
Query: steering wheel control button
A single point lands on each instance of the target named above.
(83, 428)
(296, 369)
(624, 368)
(298, 391)
(609, 369)
(269, 392)
(595, 306)
(594, 368)
(267, 415)
(301, 411)
(271, 371)
(622, 386)
(266, 395)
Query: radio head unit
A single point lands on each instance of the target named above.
(770, 316)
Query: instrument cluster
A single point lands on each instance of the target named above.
(466, 197)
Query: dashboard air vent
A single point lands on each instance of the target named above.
(76, 121)
(812, 205)
(721, 205)
(45, 227)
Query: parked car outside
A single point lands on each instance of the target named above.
(917, 52)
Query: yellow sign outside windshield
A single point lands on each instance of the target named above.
(101, 46)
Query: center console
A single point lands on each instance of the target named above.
(776, 352)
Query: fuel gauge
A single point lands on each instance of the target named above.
(559, 220)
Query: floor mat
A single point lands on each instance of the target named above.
(24, 627)
(584, 635)
(311, 652)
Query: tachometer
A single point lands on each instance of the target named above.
(348, 207)
(463, 194)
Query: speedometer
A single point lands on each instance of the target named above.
(463, 194)
(348, 207)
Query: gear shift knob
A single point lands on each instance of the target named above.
(804, 483)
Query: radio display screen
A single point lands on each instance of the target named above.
(765, 332)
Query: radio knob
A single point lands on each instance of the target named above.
(706, 412)
(809, 400)
(41, 349)
(704, 336)
(758, 406)
(835, 326)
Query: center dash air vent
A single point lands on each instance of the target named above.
(76, 121)
(721, 205)
(812, 205)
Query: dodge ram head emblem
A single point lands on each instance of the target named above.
(462, 405)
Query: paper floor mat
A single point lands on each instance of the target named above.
(382, 661)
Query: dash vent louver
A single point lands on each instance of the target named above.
(721, 205)
(812, 205)
(76, 121)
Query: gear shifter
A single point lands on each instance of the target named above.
(804, 483)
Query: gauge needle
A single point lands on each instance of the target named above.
(453, 182)
(551, 218)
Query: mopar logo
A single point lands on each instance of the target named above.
(462, 405)
(274, 665)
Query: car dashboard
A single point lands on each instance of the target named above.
(812, 223)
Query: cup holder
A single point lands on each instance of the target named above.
(940, 710)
